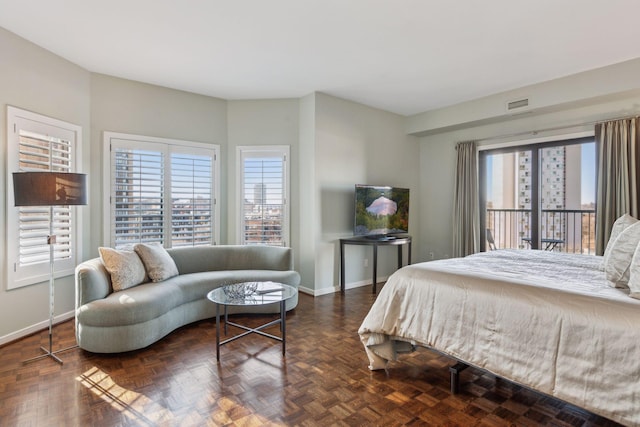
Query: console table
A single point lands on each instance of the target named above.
(398, 241)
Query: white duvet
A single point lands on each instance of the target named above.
(546, 320)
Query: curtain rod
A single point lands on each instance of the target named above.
(535, 132)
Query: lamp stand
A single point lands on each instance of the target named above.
(51, 240)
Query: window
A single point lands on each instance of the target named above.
(160, 190)
(39, 143)
(263, 186)
(540, 196)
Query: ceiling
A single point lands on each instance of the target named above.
(403, 56)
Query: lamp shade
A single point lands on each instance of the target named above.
(49, 188)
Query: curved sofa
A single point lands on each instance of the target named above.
(134, 318)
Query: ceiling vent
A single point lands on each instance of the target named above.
(517, 105)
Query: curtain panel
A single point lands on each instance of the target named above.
(617, 181)
(466, 210)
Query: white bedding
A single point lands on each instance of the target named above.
(545, 320)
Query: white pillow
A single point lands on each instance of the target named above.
(159, 264)
(125, 268)
(634, 274)
(619, 225)
(616, 268)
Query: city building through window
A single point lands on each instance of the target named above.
(160, 190)
(263, 185)
(540, 196)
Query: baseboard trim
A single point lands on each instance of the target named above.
(335, 289)
(38, 327)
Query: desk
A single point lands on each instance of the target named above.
(550, 244)
(398, 240)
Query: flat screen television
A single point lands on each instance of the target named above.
(381, 211)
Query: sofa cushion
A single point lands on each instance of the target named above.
(231, 257)
(125, 267)
(151, 300)
(158, 263)
(195, 286)
(130, 306)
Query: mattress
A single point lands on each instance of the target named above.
(546, 320)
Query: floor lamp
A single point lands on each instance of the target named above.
(50, 189)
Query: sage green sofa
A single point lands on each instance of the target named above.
(134, 318)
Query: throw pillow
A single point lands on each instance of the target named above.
(617, 265)
(619, 225)
(159, 264)
(125, 268)
(634, 274)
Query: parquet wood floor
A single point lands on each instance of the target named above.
(323, 380)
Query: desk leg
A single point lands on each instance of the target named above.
(399, 257)
(342, 268)
(409, 255)
(375, 266)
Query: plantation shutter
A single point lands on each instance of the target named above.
(137, 196)
(192, 210)
(161, 190)
(42, 153)
(264, 196)
(37, 143)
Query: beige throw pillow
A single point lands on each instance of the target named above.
(619, 225)
(634, 274)
(159, 264)
(125, 267)
(616, 268)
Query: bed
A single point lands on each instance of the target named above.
(549, 321)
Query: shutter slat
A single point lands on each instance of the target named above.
(43, 153)
(137, 190)
(191, 209)
(263, 194)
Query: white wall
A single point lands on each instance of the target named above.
(264, 122)
(592, 87)
(307, 209)
(437, 151)
(119, 105)
(356, 144)
(33, 79)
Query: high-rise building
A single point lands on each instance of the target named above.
(260, 193)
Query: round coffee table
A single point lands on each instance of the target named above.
(238, 294)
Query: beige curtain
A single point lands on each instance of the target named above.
(617, 186)
(466, 216)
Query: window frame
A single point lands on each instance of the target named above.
(536, 146)
(20, 276)
(247, 151)
(166, 146)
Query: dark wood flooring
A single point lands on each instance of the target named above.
(323, 380)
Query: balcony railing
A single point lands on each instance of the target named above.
(564, 230)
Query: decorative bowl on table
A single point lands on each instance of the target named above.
(240, 290)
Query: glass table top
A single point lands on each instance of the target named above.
(251, 293)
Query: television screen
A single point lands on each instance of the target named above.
(381, 210)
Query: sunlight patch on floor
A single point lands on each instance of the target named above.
(133, 405)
